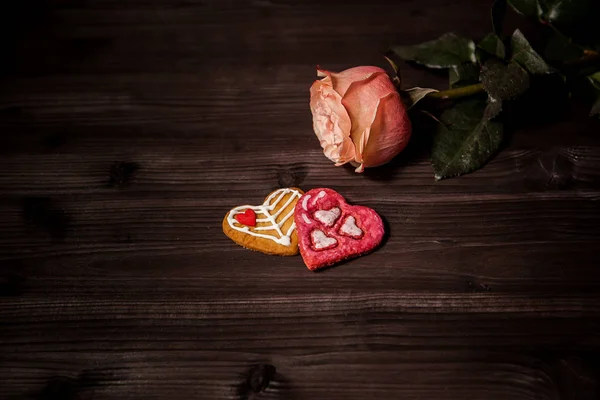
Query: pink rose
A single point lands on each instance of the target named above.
(358, 116)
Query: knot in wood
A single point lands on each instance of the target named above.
(259, 377)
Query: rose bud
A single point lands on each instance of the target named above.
(358, 116)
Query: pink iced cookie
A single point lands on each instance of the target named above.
(330, 230)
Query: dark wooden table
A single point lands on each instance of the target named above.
(130, 127)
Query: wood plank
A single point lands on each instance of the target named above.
(299, 324)
(525, 268)
(409, 374)
(191, 165)
(136, 38)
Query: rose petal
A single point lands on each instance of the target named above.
(361, 101)
(331, 122)
(341, 81)
(389, 133)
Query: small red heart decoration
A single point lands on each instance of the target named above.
(330, 230)
(247, 218)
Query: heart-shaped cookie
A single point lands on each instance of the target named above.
(330, 230)
(270, 227)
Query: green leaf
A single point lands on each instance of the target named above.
(524, 54)
(445, 52)
(570, 15)
(596, 107)
(493, 45)
(588, 70)
(595, 79)
(392, 64)
(560, 48)
(504, 82)
(463, 75)
(493, 108)
(574, 18)
(463, 113)
(412, 96)
(465, 140)
(396, 78)
(498, 13)
(529, 8)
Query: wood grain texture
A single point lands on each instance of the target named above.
(128, 128)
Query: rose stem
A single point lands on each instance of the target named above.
(458, 93)
(590, 57)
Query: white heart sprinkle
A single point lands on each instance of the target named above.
(349, 227)
(320, 240)
(328, 217)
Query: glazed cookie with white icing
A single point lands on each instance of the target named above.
(270, 227)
